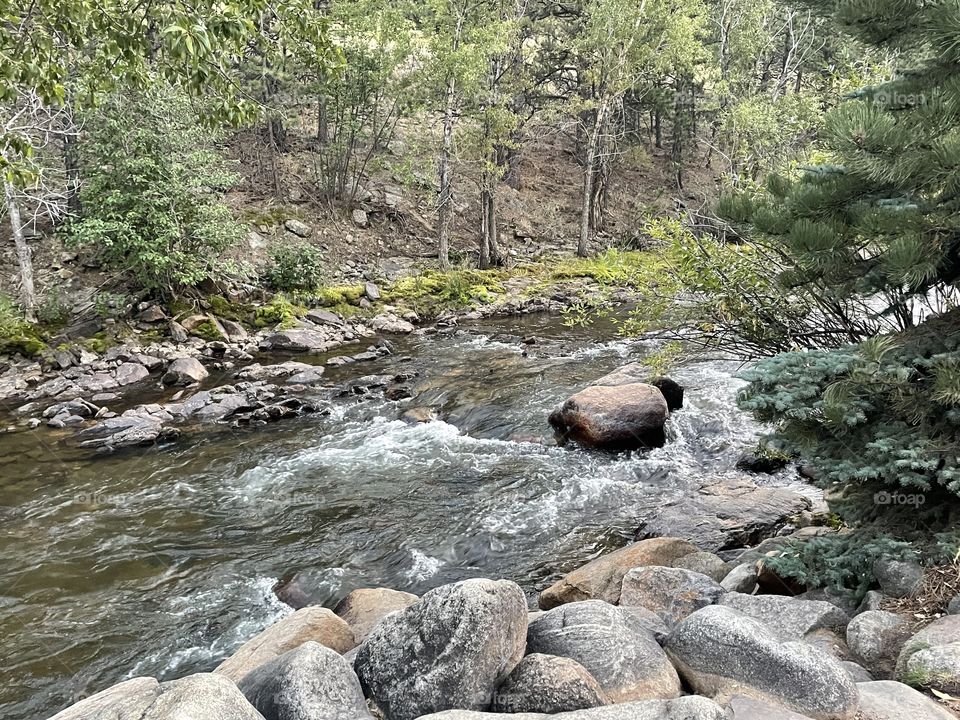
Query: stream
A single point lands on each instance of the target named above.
(161, 561)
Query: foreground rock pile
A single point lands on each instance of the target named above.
(660, 630)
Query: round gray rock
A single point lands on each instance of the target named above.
(548, 684)
(790, 617)
(721, 652)
(612, 643)
(705, 563)
(897, 578)
(672, 593)
(888, 700)
(875, 638)
(310, 683)
(742, 579)
(931, 657)
(450, 649)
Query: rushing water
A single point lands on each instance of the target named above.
(161, 562)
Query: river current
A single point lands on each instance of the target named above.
(161, 561)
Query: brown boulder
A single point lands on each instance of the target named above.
(362, 609)
(613, 417)
(602, 578)
(309, 623)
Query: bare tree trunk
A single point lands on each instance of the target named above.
(322, 131)
(24, 256)
(445, 200)
(484, 229)
(589, 172)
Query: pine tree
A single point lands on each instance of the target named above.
(876, 221)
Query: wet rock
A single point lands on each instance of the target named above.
(788, 617)
(672, 593)
(721, 653)
(362, 609)
(298, 228)
(705, 563)
(198, 697)
(307, 377)
(311, 682)
(256, 371)
(601, 579)
(548, 684)
(742, 579)
(390, 323)
(417, 415)
(683, 708)
(79, 407)
(672, 391)
(185, 371)
(128, 373)
(319, 316)
(875, 638)
(888, 700)
(450, 649)
(614, 418)
(612, 644)
(309, 623)
(754, 462)
(125, 431)
(725, 514)
(898, 579)
(299, 340)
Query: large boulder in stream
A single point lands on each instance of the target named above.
(198, 697)
(615, 418)
(450, 649)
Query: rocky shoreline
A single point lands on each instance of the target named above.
(658, 630)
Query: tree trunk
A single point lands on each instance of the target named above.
(24, 256)
(587, 196)
(72, 166)
(445, 200)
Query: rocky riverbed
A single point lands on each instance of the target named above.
(157, 493)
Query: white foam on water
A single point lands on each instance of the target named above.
(424, 566)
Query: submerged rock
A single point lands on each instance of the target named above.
(613, 645)
(450, 649)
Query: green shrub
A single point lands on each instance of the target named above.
(279, 312)
(295, 266)
(16, 334)
(153, 185)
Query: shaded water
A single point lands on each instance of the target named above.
(161, 562)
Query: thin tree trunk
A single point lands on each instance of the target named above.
(24, 256)
(445, 200)
(589, 165)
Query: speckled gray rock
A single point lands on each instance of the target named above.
(363, 608)
(612, 644)
(705, 563)
(931, 657)
(888, 700)
(310, 683)
(897, 578)
(721, 652)
(548, 684)
(198, 697)
(310, 623)
(875, 638)
(787, 616)
(873, 600)
(857, 673)
(450, 649)
(747, 708)
(742, 579)
(672, 593)
(690, 707)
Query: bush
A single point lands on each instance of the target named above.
(16, 334)
(295, 266)
(153, 186)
